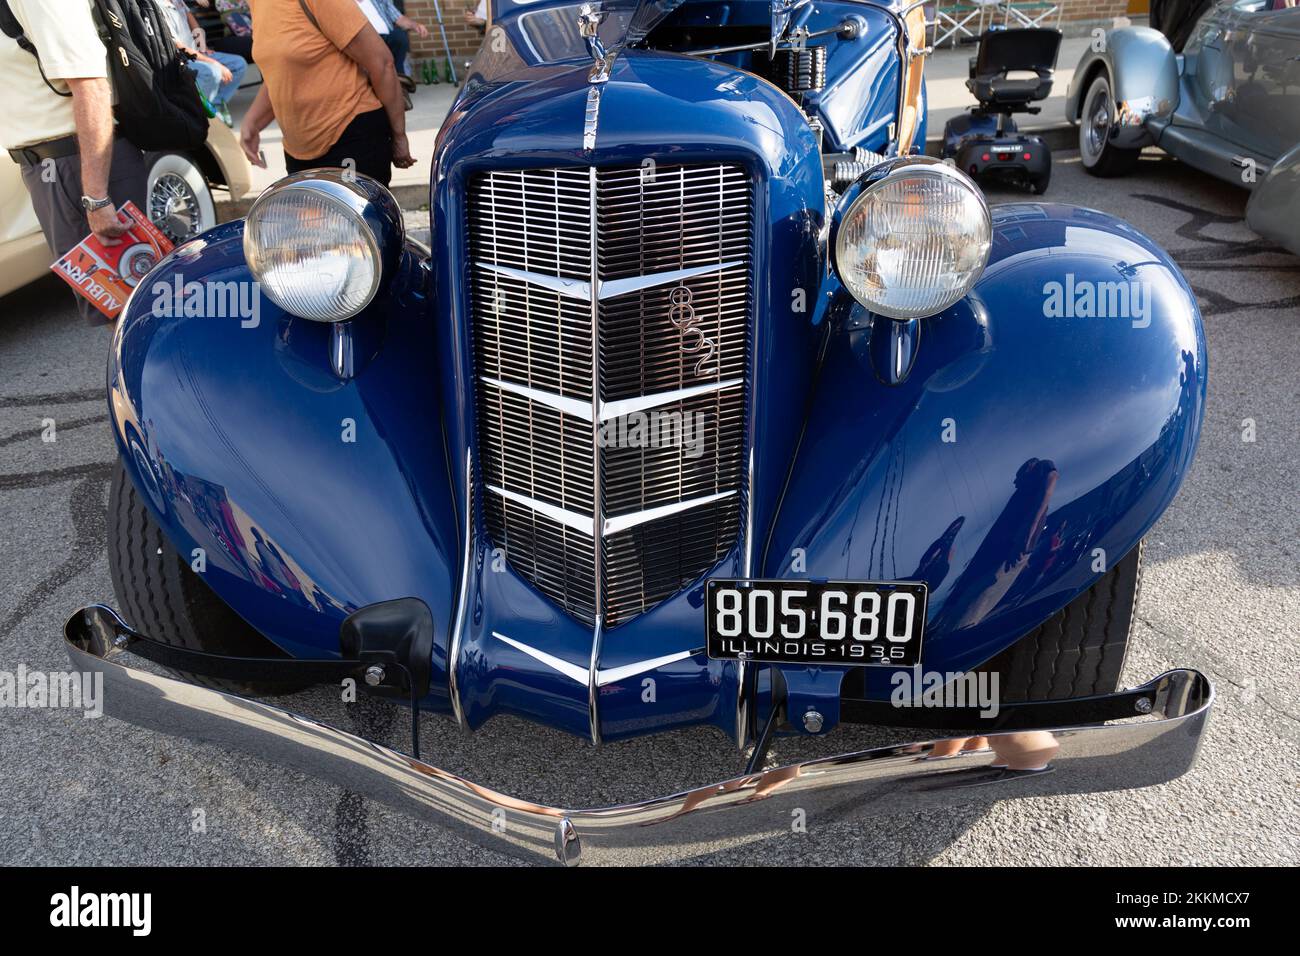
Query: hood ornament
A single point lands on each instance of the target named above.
(589, 18)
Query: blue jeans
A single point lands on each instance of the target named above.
(208, 76)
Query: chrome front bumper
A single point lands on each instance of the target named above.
(1149, 750)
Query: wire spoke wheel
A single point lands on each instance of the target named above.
(179, 199)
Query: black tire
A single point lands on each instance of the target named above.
(1098, 154)
(1079, 651)
(1039, 184)
(163, 598)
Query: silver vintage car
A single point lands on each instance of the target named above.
(1228, 103)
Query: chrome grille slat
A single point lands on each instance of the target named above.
(555, 343)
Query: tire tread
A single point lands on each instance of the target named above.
(1080, 650)
(165, 600)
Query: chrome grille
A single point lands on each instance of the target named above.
(576, 277)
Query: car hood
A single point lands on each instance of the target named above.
(548, 31)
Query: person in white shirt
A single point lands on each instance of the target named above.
(217, 74)
(62, 134)
(392, 25)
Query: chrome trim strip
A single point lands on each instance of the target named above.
(617, 523)
(626, 406)
(751, 570)
(569, 288)
(581, 290)
(597, 528)
(462, 598)
(577, 408)
(570, 519)
(742, 703)
(617, 287)
(1088, 759)
(591, 120)
(581, 674)
(569, 406)
(572, 671)
(597, 501)
(613, 675)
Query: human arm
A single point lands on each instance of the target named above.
(406, 23)
(259, 117)
(92, 111)
(368, 50)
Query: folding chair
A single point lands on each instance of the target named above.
(952, 21)
(1033, 13)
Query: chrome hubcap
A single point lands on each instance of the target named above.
(174, 208)
(1097, 128)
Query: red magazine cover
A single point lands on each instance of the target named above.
(106, 274)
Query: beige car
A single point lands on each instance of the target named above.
(179, 200)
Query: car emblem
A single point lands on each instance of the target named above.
(589, 18)
(681, 312)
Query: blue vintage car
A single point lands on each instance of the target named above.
(713, 403)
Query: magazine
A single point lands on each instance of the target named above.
(106, 275)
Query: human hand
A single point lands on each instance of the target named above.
(250, 140)
(402, 157)
(105, 225)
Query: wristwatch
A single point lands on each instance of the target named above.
(90, 204)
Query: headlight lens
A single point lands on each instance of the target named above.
(915, 240)
(308, 243)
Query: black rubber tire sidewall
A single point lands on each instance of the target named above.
(1112, 161)
(164, 599)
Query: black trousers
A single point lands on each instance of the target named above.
(367, 142)
(230, 43)
(399, 44)
(56, 190)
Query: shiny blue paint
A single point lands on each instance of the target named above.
(856, 107)
(234, 434)
(706, 111)
(1069, 435)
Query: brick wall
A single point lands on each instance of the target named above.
(464, 39)
(1099, 11)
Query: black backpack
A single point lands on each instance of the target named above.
(158, 106)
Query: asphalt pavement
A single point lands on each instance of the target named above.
(1220, 592)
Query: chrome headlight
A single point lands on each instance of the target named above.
(915, 239)
(318, 242)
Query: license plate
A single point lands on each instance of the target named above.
(805, 622)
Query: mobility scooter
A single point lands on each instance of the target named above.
(985, 142)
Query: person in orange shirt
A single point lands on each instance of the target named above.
(330, 83)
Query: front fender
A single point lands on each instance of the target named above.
(1143, 72)
(1274, 207)
(311, 494)
(1030, 446)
